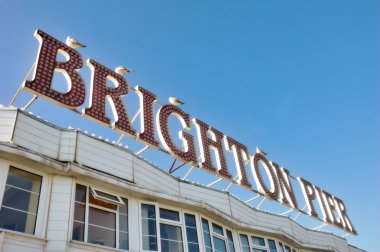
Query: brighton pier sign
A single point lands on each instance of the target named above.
(210, 141)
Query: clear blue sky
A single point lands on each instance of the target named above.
(300, 79)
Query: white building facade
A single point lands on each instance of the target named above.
(63, 190)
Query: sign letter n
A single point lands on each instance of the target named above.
(44, 71)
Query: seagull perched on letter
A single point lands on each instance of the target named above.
(175, 101)
(122, 70)
(73, 43)
(260, 151)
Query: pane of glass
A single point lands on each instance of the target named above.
(123, 222)
(231, 245)
(149, 227)
(78, 231)
(101, 236)
(25, 180)
(190, 220)
(148, 211)
(80, 193)
(150, 243)
(217, 229)
(220, 245)
(191, 233)
(244, 243)
(106, 195)
(193, 247)
(102, 218)
(258, 241)
(287, 249)
(102, 203)
(22, 194)
(170, 232)
(206, 235)
(148, 222)
(169, 214)
(293, 250)
(20, 199)
(171, 246)
(272, 246)
(17, 221)
(123, 240)
(171, 238)
(79, 211)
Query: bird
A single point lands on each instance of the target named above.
(260, 151)
(175, 101)
(122, 70)
(74, 43)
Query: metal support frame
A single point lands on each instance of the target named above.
(132, 121)
(260, 204)
(231, 183)
(142, 150)
(289, 211)
(188, 173)
(120, 138)
(21, 86)
(252, 199)
(319, 228)
(299, 213)
(30, 102)
(171, 170)
(213, 183)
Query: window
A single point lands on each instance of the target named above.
(218, 238)
(191, 233)
(99, 221)
(287, 249)
(272, 246)
(206, 235)
(170, 231)
(258, 244)
(175, 230)
(222, 240)
(149, 230)
(281, 247)
(19, 207)
(244, 243)
(231, 245)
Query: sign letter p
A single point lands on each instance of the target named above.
(44, 70)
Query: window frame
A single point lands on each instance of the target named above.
(155, 204)
(87, 209)
(43, 202)
(254, 246)
(180, 224)
(212, 233)
(94, 191)
(198, 228)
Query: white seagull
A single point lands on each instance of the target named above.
(175, 101)
(74, 43)
(122, 70)
(260, 151)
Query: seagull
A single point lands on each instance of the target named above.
(73, 43)
(260, 151)
(175, 101)
(122, 70)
